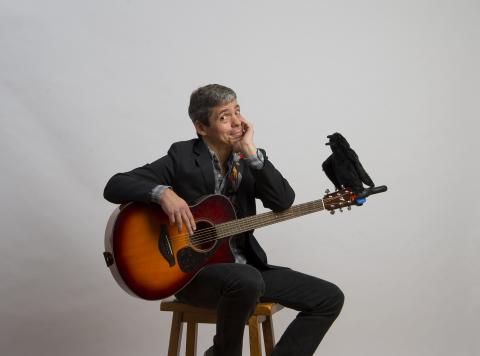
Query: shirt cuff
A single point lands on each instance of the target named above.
(256, 161)
(157, 192)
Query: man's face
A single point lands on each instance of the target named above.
(225, 125)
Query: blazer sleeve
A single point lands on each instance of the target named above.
(137, 184)
(271, 188)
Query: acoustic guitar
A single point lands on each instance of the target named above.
(151, 259)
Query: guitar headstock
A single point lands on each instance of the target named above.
(339, 199)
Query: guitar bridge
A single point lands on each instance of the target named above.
(164, 245)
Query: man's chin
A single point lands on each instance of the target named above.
(233, 141)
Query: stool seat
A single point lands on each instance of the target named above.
(192, 315)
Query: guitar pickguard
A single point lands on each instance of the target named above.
(190, 260)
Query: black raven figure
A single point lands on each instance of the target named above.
(343, 167)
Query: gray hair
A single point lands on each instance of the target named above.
(205, 98)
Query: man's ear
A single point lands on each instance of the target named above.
(200, 127)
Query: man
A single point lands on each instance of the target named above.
(224, 160)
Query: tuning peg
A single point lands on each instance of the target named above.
(332, 212)
(341, 210)
(327, 191)
(349, 207)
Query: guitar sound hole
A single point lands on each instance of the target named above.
(204, 237)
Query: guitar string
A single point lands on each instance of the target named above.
(207, 233)
(221, 235)
(250, 221)
(214, 233)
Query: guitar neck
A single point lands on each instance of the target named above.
(238, 226)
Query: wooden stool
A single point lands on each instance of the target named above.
(185, 313)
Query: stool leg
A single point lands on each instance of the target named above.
(268, 335)
(192, 329)
(175, 334)
(255, 347)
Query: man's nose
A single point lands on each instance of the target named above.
(236, 120)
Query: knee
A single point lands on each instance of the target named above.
(339, 298)
(336, 299)
(332, 301)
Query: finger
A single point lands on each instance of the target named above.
(192, 219)
(186, 221)
(246, 127)
(245, 123)
(178, 219)
(171, 217)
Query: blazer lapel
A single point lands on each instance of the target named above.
(204, 162)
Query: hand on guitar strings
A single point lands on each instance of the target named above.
(177, 210)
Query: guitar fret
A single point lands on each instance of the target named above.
(252, 222)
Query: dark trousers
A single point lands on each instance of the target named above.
(235, 289)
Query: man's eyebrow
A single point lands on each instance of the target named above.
(222, 111)
(226, 110)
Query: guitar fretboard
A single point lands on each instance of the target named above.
(253, 222)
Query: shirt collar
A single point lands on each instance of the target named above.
(234, 157)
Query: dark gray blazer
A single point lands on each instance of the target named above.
(187, 168)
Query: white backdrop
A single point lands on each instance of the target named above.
(90, 88)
